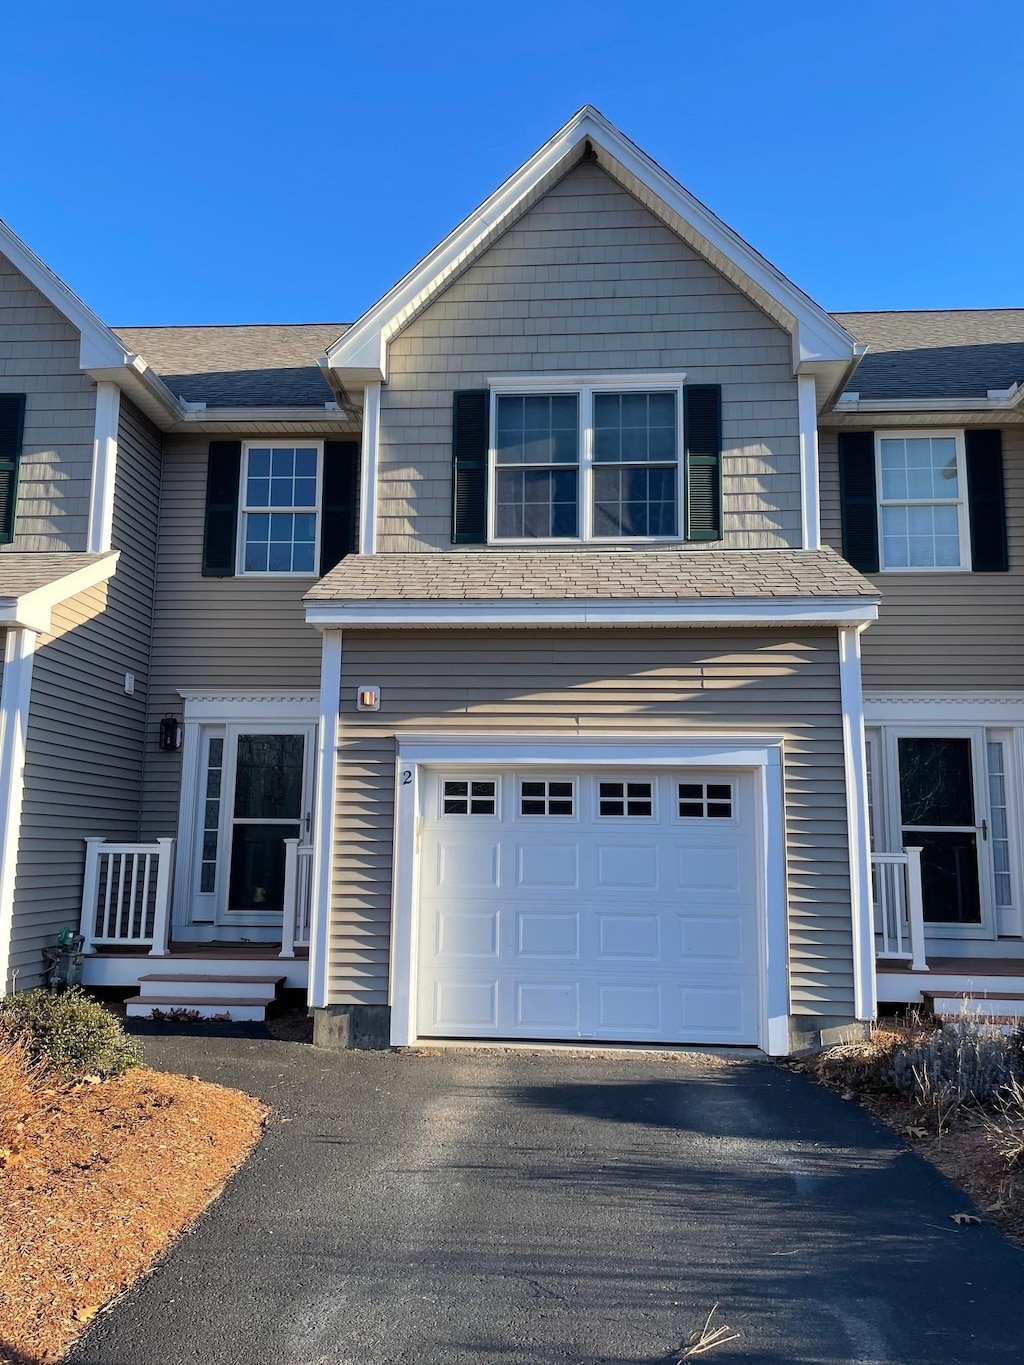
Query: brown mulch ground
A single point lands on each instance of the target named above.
(107, 1176)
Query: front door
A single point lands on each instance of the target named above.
(941, 808)
(255, 791)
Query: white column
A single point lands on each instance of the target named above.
(104, 466)
(810, 493)
(368, 475)
(15, 695)
(323, 820)
(858, 834)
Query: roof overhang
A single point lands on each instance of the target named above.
(32, 608)
(821, 347)
(501, 614)
(996, 400)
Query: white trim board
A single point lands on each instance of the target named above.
(791, 611)
(810, 490)
(950, 708)
(323, 819)
(211, 707)
(15, 697)
(104, 467)
(762, 754)
(360, 355)
(858, 834)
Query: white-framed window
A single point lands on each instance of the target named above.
(587, 462)
(922, 500)
(279, 522)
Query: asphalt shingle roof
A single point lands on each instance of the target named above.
(25, 571)
(258, 366)
(940, 354)
(538, 575)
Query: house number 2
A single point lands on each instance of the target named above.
(406, 777)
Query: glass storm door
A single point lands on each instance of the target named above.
(268, 793)
(942, 805)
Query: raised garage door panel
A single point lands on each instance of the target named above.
(577, 921)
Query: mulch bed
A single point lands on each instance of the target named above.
(107, 1175)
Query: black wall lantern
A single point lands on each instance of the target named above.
(170, 734)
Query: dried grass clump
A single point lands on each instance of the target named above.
(964, 1061)
(21, 1080)
(1006, 1126)
(866, 1066)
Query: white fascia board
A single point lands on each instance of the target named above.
(363, 348)
(946, 707)
(811, 611)
(858, 405)
(31, 611)
(660, 750)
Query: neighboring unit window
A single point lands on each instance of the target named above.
(634, 464)
(705, 800)
(591, 465)
(279, 509)
(211, 815)
(470, 798)
(626, 798)
(537, 458)
(545, 798)
(921, 491)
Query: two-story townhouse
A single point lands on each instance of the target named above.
(502, 650)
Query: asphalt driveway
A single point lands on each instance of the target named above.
(533, 1208)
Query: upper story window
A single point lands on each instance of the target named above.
(587, 464)
(922, 500)
(278, 522)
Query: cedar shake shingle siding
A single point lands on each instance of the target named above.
(588, 281)
(39, 358)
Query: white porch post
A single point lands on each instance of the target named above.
(865, 994)
(15, 695)
(323, 827)
(915, 910)
(104, 466)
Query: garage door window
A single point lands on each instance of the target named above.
(626, 798)
(705, 800)
(546, 798)
(470, 798)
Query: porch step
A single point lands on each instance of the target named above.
(195, 985)
(235, 1008)
(995, 1005)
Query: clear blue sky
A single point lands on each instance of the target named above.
(214, 162)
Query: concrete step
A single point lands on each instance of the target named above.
(236, 1009)
(193, 985)
(998, 1005)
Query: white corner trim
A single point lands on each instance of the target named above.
(369, 448)
(213, 706)
(503, 612)
(858, 836)
(104, 466)
(761, 753)
(15, 696)
(810, 493)
(323, 819)
(32, 610)
(362, 350)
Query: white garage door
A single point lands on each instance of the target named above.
(590, 904)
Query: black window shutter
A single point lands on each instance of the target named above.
(338, 513)
(986, 500)
(12, 430)
(222, 473)
(471, 410)
(702, 434)
(858, 499)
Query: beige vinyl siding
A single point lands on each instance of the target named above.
(39, 358)
(241, 634)
(954, 630)
(83, 770)
(582, 684)
(589, 281)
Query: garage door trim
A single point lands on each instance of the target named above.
(761, 754)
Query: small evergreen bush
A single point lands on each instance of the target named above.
(73, 1034)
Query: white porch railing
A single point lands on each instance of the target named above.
(126, 895)
(298, 882)
(899, 907)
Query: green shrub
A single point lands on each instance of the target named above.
(71, 1032)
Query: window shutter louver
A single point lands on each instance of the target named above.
(470, 440)
(702, 430)
(858, 499)
(222, 473)
(338, 511)
(986, 501)
(12, 430)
